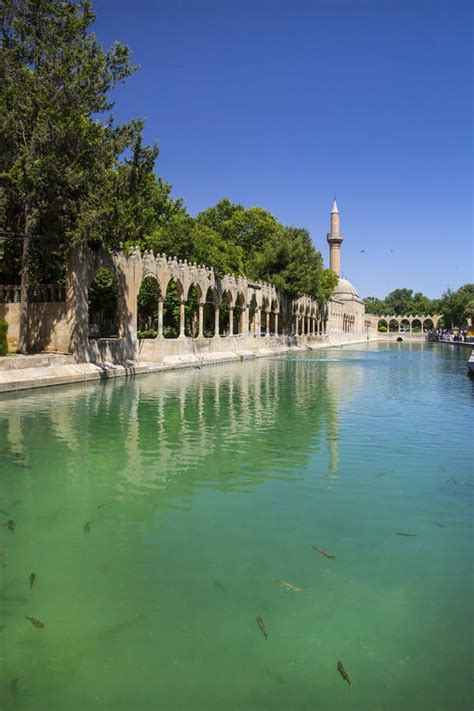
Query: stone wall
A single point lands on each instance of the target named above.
(258, 312)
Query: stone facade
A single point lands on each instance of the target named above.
(259, 316)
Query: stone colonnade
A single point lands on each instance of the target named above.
(424, 322)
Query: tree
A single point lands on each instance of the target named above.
(55, 155)
(456, 306)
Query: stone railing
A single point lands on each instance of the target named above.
(41, 293)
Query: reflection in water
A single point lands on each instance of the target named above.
(184, 421)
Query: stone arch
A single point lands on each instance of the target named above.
(382, 325)
(209, 313)
(226, 311)
(393, 325)
(416, 325)
(239, 314)
(103, 304)
(191, 319)
(171, 308)
(428, 325)
(405, 325)
(253, 311)
(147, 307)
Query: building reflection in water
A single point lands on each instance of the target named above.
(232, 425)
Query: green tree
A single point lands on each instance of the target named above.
(456, 306)
(56, 157)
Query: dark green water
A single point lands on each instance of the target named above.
(221, 480)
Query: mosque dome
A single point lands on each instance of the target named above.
(345, 290)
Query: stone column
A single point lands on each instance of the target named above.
(216, 322)
(244, 321)
(201, 321)
(276, 324)
(231, 320)
(181, 319)
(258, 321)
(265, 321)
(160, 318)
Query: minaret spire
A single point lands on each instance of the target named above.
(334, 238)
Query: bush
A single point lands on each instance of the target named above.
(149, 333)
(3, 338)
(382, 329)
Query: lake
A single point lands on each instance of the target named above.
(327, 494)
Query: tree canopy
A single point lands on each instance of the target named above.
(69, 173)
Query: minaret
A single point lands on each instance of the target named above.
(335, 238)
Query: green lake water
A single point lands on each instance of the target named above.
(218, 482)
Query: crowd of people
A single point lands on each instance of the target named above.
(445, 334)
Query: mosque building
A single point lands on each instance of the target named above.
(346, 308)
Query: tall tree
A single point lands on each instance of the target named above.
(55, 156)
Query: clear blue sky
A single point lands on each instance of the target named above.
(281, 104)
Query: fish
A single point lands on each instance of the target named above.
(321, 551)
(441, 525)
(35, 622)
(5, 513)
(32, 579)
(87, 527)
(407, 535)
(11, 525)
(288, 586)
(121, 627)
(107, 503)
(14, 690)
(343, 673)
(262, 627)
(3, 560)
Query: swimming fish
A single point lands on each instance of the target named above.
(262, 627)
(121, 627)
(107, 503)
(11, 525)
(5, 513)
(321, 551)
(343, 673)
(441, 525)
(408, 535)
(3, 560)
(288, 586)
(32, 579)
(87, 527)
(35, 622)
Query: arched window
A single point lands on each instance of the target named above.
(147, 308)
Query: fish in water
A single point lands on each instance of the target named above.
(35, 622)
(441, 525)
(261, 625)
(3, 560)
(343, 673)
(286, 585)
(121, 627)
(407, 535)
(11, 525)
(107, 503)
(5, 513)
(321, 551)
(14, 690)
(32, 579)
(87, 527)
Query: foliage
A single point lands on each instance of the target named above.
(382, 328)
(3, 338)
(402, 302)
(458, 306)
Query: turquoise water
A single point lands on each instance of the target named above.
(217, 482)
